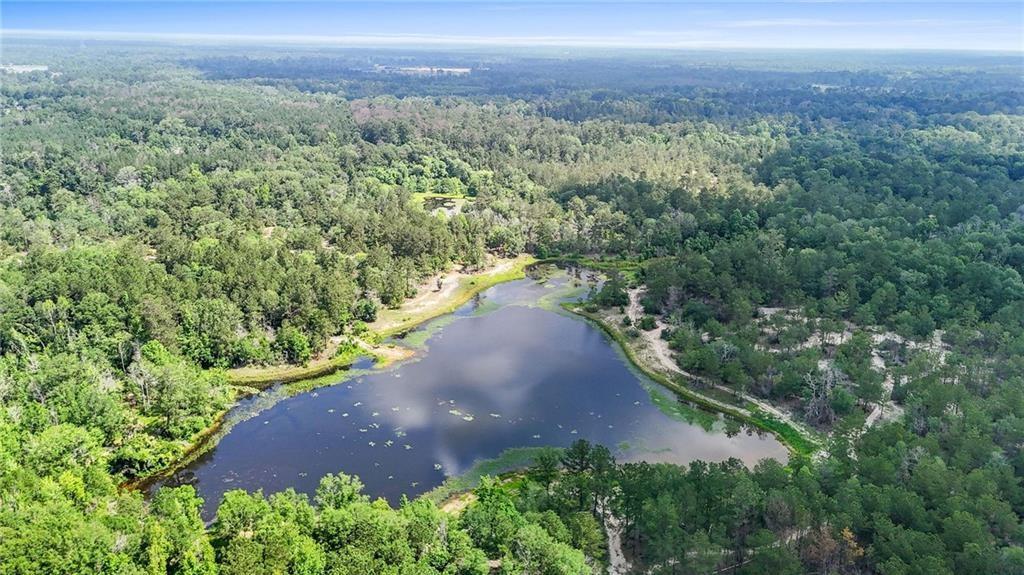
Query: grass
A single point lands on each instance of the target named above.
(787, 434)
(725, 397)
(454, 201)
(678, 410)
(304, 385)
(417, 338)
(628, 268)
(264, 376)
(511, 460)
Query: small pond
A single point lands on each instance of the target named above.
(509, 369)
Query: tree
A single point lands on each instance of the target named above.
(293, 345)
(188, 550)
(252, 537)
(338, 491)
(493, 520)
(577, 463)
(209, 329)
(66, 448)
(772, 558)
(365, 310)
(576, 459)
(533, 551)
(613, 292)
(545, 468)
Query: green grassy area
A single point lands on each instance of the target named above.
(725, 397)
(264, 376)
(680, 411)
(628, 268)
(418, 337)
(459, 201)
(511, 460)
(787, 434)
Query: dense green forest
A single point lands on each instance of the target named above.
(827, 233)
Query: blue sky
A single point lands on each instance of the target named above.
(769, 25)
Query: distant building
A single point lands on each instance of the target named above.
(22, 68)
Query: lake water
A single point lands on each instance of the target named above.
(506, 370)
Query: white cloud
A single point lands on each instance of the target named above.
(829, 23)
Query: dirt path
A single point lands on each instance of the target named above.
(657, 353)
(887, 409)
(658, 347)
(427, 294)
(617, 563)
(878, 410)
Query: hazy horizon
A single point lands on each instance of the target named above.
(993, 26)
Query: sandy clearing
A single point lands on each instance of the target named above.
(658, 347)
(388, 353)
(456, 504)
(427, 294)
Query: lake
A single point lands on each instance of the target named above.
(509, 369)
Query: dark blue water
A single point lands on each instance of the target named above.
(517, 375)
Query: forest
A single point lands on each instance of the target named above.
(839, 237)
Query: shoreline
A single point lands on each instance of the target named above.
(794, 440)
(246, 385)
(394, 322)
(249, 381)
(270, 375)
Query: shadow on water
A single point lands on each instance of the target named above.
(506, 370)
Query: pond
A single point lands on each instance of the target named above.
(509, 369)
